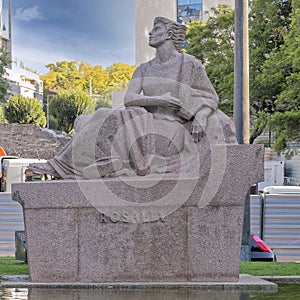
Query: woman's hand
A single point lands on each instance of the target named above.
(199, 123)
(170, 101)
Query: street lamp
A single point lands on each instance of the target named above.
(241, 102)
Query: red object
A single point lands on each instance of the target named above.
(2, 152)
(261, 244)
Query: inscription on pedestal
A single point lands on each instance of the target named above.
(135, 217)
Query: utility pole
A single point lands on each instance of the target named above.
(47, 113)
(241, 101)
(91, 88)
(3, 113)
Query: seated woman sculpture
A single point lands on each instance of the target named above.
(170, 119)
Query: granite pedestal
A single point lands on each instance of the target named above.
(77, 231)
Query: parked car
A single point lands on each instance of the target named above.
(260, 251)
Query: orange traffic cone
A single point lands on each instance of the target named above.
(2, 152)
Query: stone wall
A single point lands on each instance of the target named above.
(29, 141)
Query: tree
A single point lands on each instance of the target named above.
(268, 22)
(286, 121)
(63, 76)
(1, 114)
(66, 107)
(212, 42)
(4, 83)
(25, 111)
(286, 127)
(119, 74)
(95, 79)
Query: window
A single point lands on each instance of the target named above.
(189, 11)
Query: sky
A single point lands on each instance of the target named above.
(99, 32)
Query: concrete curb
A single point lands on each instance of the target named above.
(246, 283)
(282, 279)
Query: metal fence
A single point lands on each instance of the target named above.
(277, 220)
(11, 219)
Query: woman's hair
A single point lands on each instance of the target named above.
(178, 30)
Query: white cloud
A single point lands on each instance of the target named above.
(28, 14)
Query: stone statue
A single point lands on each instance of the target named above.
(170, 120)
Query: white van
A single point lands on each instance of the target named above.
(12, 170)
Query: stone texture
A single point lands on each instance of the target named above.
(26, 140)
(69, 240)
(132, 252)
(214, 243)
(53, 238)
(245, 283)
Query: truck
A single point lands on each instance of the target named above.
(12, 170)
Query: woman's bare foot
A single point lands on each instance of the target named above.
(43, 168)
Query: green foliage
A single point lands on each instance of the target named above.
(65, 107)
(286, 126)
(105, 99)
(119, 75)
(4, 83)
(94, 78)
(64, 76)
(53, 123)
(1, 114)
(289, 98)
(274, 39)
(261, 122)
(284, 74)
(269, 23)
(212, 42)
(25, 111)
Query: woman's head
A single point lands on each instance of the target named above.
(178, 31)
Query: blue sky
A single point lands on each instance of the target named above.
(97, 31)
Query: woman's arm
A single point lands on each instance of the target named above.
(165, 100)
(199, 93)
(134, 96)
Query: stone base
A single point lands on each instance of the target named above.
(245, 283)
(77, 231)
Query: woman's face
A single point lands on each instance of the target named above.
(158, 35)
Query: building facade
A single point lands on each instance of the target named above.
(145, 12)
(185, 11)
(22, 82)
(25, 83)
(5, 26)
